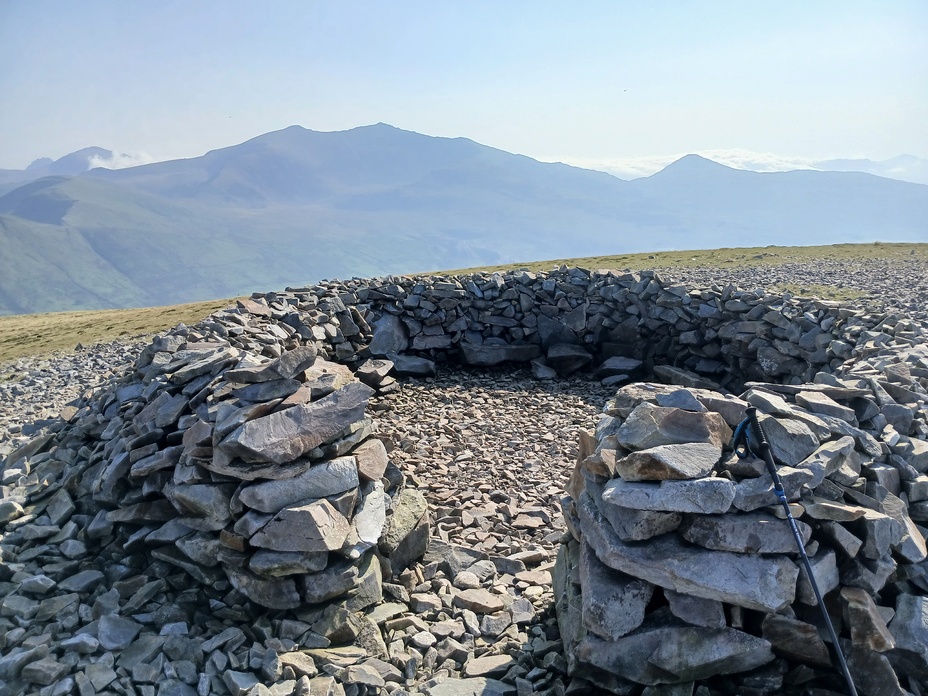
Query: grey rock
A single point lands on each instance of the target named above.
(696, 611)
(368, 588)
(239, 683)
(374, 372)
(669, 462)
(872, 672)
(286, 367)
(116, 632)
(673, 655)
(45, 671)
(175, 687)
(746, 533)
(868, 629)
(83, 581)
(205, 499)
(453, 558)
(277, 593)
(411, 365)
(817, 402)
(267, 391)
(201, 548)
(880, 533)
(790, 440)
(843, 540)
(488, 665)
(683, 378)
(795, 640)
(909, 629)
(489, 355)
(567, 358)
(369, 518)
(541, 369)
(321, 379)
(552, 332)
(730, 407)
(283, 436)
(55, 606)
(13, 661)
(320, 480)
(617, 365)
(613, 603)
(276, 564)
(911, 545)
(60, 507)
(37, 584)
(681, 398)
(142, 649)
(651, 426)
(705, 496)
(390, 335)
(82, 643)
(335, 580)
(473, 686)
(10, 510)
(315, 527)
(638, 525)
(100, 675)
(825, 570)
(763, 583)
(200, 573)
(827, 459)
(752, 494)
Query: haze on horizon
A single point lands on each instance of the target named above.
(605, 85)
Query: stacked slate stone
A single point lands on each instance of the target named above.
(237, 454)
(629, 324)
(261, 470)
(681, 569)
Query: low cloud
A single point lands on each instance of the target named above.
(120, 160)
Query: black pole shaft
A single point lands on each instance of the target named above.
(763, 447)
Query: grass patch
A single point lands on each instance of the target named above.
(726, 257)
(40, 334)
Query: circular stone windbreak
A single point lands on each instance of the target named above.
(236, 454)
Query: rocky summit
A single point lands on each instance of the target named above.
(363, 487)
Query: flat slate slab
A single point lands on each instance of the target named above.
(706, 496)
(286, 435)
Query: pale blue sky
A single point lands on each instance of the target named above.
(586, 80)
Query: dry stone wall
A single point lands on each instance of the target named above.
(681, 567)
(240, 452)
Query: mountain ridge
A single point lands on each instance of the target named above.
(296, 205)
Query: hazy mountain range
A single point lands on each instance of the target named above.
(903, 167)
(295, 206)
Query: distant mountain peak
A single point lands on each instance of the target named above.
(72, 163)
(40, 163)
(692, 165)
(693, 160)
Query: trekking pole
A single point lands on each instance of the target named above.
(756, 442)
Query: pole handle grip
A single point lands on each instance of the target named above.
(760, 438)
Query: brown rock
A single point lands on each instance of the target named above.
(479, 601)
